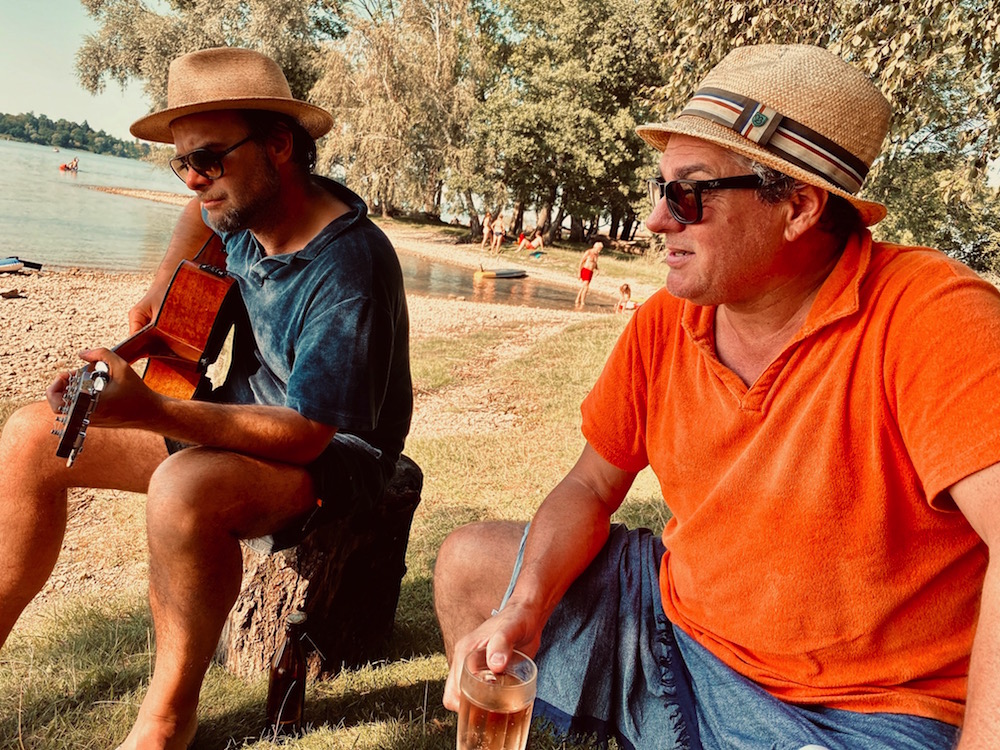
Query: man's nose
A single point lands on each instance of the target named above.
(661, 221)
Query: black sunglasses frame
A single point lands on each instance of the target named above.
(660, 189)
(181, 164)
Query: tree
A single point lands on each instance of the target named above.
(561, 118)
(938, 63)
(400, 85)
(134, 42)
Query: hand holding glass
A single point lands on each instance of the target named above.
(494, 710)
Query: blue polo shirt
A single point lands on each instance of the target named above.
(328, 331)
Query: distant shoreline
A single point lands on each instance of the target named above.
(159, 196)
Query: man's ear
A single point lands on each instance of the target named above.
(279, 144)
(805, 207)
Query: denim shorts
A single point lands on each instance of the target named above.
(350, 475)
(612, 665)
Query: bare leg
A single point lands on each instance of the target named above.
(471, 575)
(193, 529)
(33, 485)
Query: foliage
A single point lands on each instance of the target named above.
(134, 41)
(400, 88)
(938, 63)
(64, 134)
(562, 118)
(518, 104)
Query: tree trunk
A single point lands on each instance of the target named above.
(517, 222)
(345, 576)
(575, 229)
(475, 226)
(629, 226)
(544, 216)
(616, 218)
(555, 230)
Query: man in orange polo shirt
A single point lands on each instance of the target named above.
(820, 411)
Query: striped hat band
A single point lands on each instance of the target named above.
(780, 135)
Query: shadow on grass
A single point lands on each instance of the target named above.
(405, 716)
(84, 658)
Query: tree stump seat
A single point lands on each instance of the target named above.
(345, 576)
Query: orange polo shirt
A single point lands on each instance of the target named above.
(813, 545)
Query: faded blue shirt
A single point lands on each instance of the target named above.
(329, 329)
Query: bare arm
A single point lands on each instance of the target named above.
(566, 533)
(978, 497)
(275, 433)
(190, 234)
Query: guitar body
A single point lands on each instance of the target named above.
(198, 309)
(188, 332)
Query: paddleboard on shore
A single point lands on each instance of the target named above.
(499, 273)
(16, 264)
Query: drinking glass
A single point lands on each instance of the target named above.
(494, 710)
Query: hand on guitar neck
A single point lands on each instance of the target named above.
(184, 339)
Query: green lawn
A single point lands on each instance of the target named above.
(74, 674)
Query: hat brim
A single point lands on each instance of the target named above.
(658, 135)
(156, 127)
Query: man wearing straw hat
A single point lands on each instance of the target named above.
(313, 414)
(819, 410)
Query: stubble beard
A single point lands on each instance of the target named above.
(256, 209)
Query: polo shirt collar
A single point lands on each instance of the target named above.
(838, 297)
(357, 212)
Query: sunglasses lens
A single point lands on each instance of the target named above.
(205, 163)
(179, 166)
(683, 200)
(654, 186)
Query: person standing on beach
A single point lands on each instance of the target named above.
(820, 411)
(313, 414)
(499, 232)
(588, 267)
(487, 231)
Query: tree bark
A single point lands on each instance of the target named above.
(517, 223)
(475, 226)
(345, 576)
(555, 230)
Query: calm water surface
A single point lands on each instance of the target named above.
(54, 218)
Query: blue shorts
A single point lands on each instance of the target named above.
(348, 476)
(612, 665)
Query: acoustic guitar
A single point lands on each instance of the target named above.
(186, 337)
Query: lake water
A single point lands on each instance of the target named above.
(52, 217)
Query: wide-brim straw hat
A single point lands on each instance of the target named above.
(796, 108)
(227, 78)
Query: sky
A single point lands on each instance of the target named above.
(38, 44)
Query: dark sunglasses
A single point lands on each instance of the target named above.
(684, 196)
(206, 163)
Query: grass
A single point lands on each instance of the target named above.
(73, 674)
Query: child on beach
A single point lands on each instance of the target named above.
(624, 295)
(625, 301)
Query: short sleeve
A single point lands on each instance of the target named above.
(614, 412)
(942, 375)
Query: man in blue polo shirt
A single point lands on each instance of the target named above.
(316, 405)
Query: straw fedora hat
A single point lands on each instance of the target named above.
(227, 78)
(796, 108)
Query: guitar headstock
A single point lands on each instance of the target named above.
(79, 401)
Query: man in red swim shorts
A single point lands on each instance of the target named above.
(588, 267)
